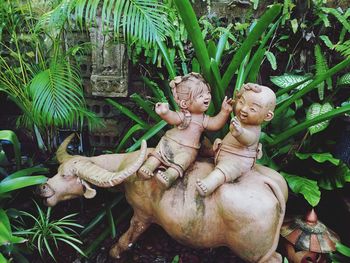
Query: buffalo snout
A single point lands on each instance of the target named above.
(44, 190)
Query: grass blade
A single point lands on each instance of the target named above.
(127, 112)
(151, 132)
(250, 41)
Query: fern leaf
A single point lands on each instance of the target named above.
(321, 68)
(344, 48)
(341, 18)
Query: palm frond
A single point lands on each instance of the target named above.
(57, 95)
(143, 20)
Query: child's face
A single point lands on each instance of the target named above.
(200, 103)
(252, 108)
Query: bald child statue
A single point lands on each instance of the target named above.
(236, 154)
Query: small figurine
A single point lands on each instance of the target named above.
(179, 146)
(237, 152)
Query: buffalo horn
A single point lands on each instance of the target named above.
(101, 177)
(61, 153)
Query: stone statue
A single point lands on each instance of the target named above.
(245, 216)
(178, 148)
(237, 152)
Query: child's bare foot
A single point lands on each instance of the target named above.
(145, 173)
(164, 179)
(202, 188)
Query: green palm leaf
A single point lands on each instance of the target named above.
(144, 20)
(57, 95)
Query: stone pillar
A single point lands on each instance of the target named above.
(109, 76)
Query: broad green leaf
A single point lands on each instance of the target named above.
(17, 240)
(3, 259)
(343, 249)
(128, 135)
(151, 132)
(127, 112)
(284, 121)
(250, 41)
(195, 65)
(12, 137)
(189, 18)
(298, 104)
(169, 63)
(335, 178)
(254, 66)
(287, 80)
(295, 25)
(5, 228)
(344, 80)
(21, 182)
(145, 105)
(221, 44)
(316, 110)
(211, 49)
(319, 157)
(318, 79)
(301, 185)
(26, 172)
(217, 78)
(111, 222)
(288, 133)
(272, 59)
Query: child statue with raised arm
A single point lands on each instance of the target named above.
(237, 152)
(178, 148)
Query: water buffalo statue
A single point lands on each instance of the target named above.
(245, 216)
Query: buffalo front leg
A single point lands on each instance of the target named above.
(137, 227)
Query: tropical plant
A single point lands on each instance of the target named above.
(300, 109)
(46, 232)
(38, 75)
(10, 137)
(207, 59)
(8, 186)
(141, 24)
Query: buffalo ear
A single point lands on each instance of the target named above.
(89, 192)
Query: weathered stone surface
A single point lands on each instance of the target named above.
(109, 64)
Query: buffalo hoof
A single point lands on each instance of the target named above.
(115, 251)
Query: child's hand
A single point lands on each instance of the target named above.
(237, 129)
(162, 108)
(227, 105)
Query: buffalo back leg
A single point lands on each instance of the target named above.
(138, 225)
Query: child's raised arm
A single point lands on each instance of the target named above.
(243, 135)
(217, 122)
(171, 117)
